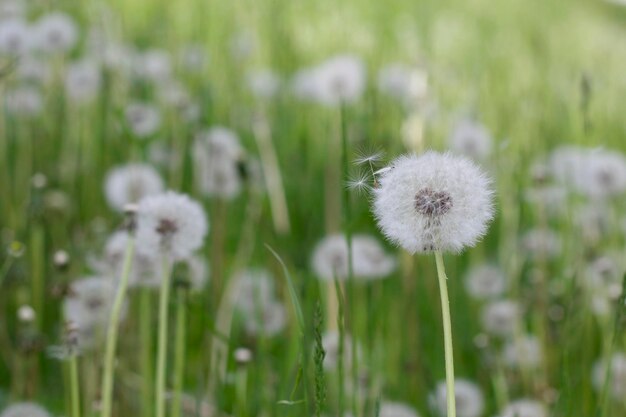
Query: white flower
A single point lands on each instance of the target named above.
(130, 183)
(369, 260)
(525, 408)
(217, 158)
(468, 396)
(254, 288)
(24, 101)
(471, 139)
(340, 79)
(541, 244)
(263, 84)
(500, 318)
(269, 319)
(524, 352)
(56, 32)
(433, 202)
(617, 377)
(15, 37)
(395, 409)
(330, 343)
(82, 81)
(394, 80)
(143, 119)
(153, 65)
(170, 224)
(485, 281)
(24, 410)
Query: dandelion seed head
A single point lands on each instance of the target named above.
(269, 319)
(89, 302)
(24, 101)
(130, 183)
(524, 353)
(525, 408)
(501, 318)
(471, 139)
(617, 378)
(330, 343)
(170, 224)
(485, 281)
(153, 65)
(15, 37)
(433, 202)
(82, 81)
(143, 119)
(263, 84)
(56, 33)
(25, 409)
(468, 396)
(369, 260)
(541, 244)
(396, 409)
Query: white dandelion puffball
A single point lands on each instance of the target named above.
(468, 396)
(263, 84)
(330, 343)
(24, 410)
(605, 175)
(471, 139)
(217, 157)
(36, 69)
(524, 353)
(369, 260)
(485, 281)
(269, 319)
(551, 199)
(145, 269)
(604, 276)
(255, 287)
(394, 80)
(342, 79)
(56, 32)
(501, 318)
(153, 65)
(617, 378)
(395, 409)
(197, 272)
(130, 183)
(525, 408)
(541, 244)
(143, 119)
(15, 37)
(171, 224)
(24, 101)
(433, 202)
(89, 302)
(82, 81)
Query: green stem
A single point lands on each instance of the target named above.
(179, 350)
(145, 330)
(162, 339)
(112, 329)
(74, 386)
(447, 334)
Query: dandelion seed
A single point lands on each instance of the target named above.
(468, 395)
(170, 224)
(359, 182)
(369, 158)
(433, 202)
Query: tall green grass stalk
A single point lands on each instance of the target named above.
(74, 386)
(179, 349)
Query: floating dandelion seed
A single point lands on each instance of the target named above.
(360, 182)
(369, 158)
(433, 202)
(170, 224)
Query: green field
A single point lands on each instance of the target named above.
(275, 117)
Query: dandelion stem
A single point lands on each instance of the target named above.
(447, 334)
(162, 338)
(111, 341)
(145, 330)
(179, 350)
(74, 387)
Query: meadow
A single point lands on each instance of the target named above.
(203, 213)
